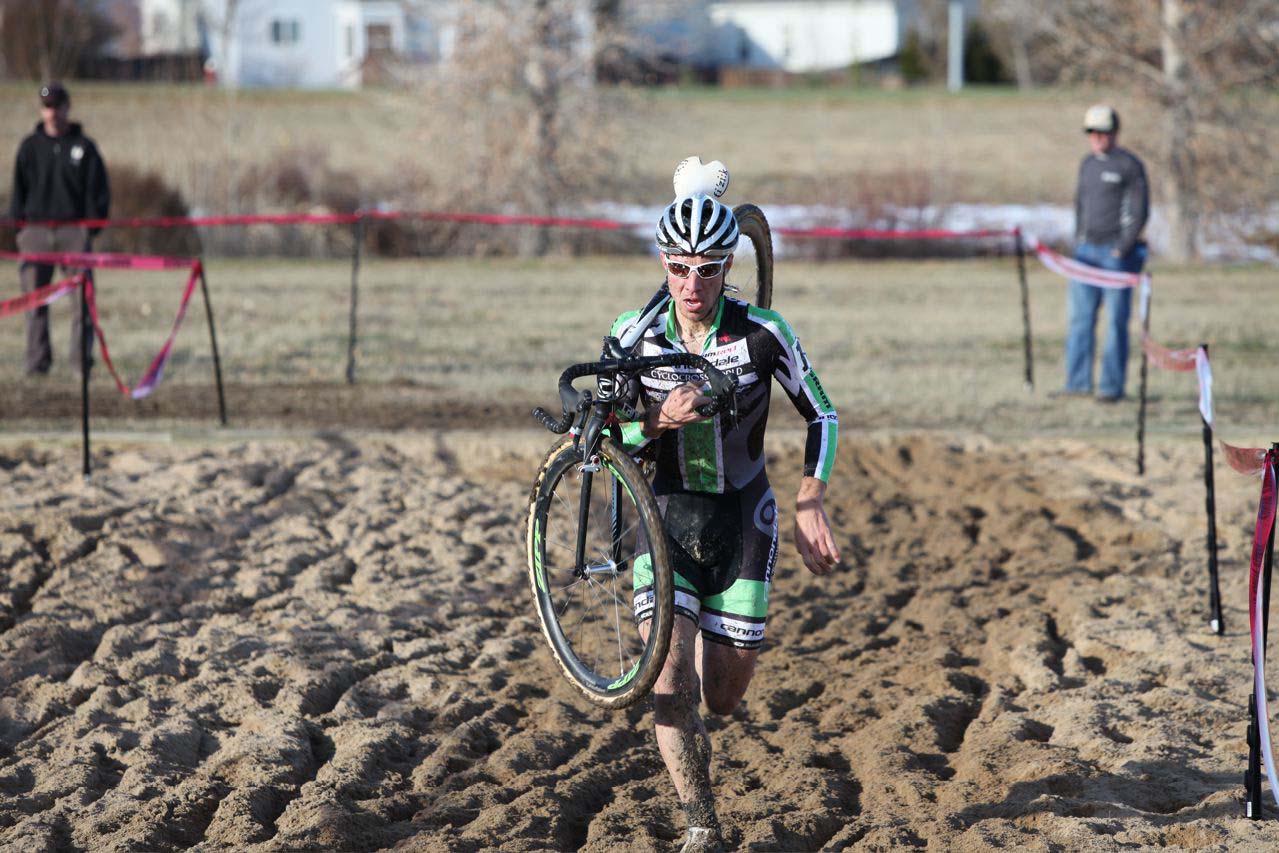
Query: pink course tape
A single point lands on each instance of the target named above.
(155, 372)
(491, 219)
(39, 297)
(98, 260)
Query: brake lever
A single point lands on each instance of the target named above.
(724, 402)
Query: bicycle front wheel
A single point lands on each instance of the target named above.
(585, 527)
(753, 261)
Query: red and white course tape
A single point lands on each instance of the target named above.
(1246, 460)
(87, 260)
(1096, 276)
(39, 297)
(1183, 361)
(96, 260)
(1080, 271)
(487, 219)
(1256, 613)
(155, 372)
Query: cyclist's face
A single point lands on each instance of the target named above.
(695, 294)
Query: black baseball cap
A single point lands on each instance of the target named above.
(54, 95)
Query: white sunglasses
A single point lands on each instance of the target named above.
(682, 270)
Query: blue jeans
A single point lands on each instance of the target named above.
(1082, 302)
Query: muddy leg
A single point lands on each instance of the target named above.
(681, 734)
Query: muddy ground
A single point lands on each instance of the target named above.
(327, 644)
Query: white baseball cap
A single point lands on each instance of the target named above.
(1101, 118)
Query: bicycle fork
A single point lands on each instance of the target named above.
(590, 438)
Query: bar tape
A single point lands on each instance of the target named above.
(487, 219)
(39, 297)
(1256, 613)
(1184, 361)
(100, 260)
(155, 372)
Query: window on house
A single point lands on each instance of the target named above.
(350, 41)
(378, 37)
(286, 31)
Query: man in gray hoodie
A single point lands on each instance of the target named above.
(1112, 203)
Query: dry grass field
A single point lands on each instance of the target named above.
(782, 145)
(900, 345)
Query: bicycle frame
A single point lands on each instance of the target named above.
(588, 417)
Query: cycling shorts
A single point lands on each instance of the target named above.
(722, 549)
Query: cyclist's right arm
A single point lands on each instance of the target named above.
(674, 411)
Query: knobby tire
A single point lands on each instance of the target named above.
(754, 227)
(552, 487)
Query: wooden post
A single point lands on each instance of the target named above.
(1145, 369)
(1210, 497)
(357, 231)
(213, 342)
(86, 358)
(1252, 776)
(1029, 356)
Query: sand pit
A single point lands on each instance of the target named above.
(328, 645)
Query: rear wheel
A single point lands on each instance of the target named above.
(753, 261)
(584, 528)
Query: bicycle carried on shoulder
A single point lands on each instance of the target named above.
(592, 509)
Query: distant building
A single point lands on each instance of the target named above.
(125, 19)
(796, 36)
(307, 44)
(805, 35)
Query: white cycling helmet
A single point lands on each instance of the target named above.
(697, 225)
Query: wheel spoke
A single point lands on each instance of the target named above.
(617, 623)
(559, 544)
(581, 615)
(611, 594)
(603, 645)
(588, 568)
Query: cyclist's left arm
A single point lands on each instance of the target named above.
(813, 536)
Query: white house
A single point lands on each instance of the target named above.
(805, 35)
(308, 44)
(794, 35)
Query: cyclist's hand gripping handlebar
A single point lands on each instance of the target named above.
(722, 391)
(722, 386)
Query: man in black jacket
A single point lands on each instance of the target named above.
(58, 177)
(1112, 203)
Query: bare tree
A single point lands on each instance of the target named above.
(46, 39)
(1207, 63)
(516, 105)
(1019, 27)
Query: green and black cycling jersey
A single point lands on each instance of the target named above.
(724, 455)
(711, 484)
